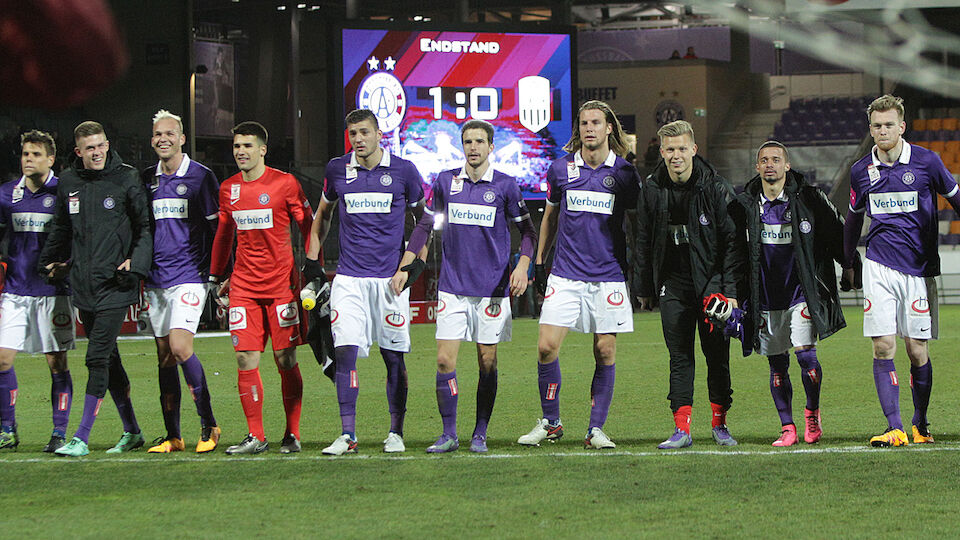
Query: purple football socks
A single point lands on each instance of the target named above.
(91, 407)
(348, 387)
(888, 390)
(61, 397)
(601, 393)
(196, 381)
(548, 377)
(810, 374)
(448, 393)
(170, 399)
(921, 378)
(486, 396)
(8, 398)
(781, 388)
(396, 388)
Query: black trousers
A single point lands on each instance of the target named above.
(681, 315)
(103, 358)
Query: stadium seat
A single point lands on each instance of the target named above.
(942, 203)
(921, 143)
(937, 146)
(920, 124)
(934, 124)
(955, 227)
(947, 214)
(949, 124)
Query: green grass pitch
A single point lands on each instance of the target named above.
(837, 488)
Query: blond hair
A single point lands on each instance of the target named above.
(886, 102)
(676, 129)
(164, 114)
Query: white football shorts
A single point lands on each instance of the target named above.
(895, 303)
(782, 329)
(474, 318)
(586, 306)
(364, 310)
(37, 324)
(179, 306)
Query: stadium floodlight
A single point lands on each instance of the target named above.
(896, 41)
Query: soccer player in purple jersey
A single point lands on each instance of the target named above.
(897, 186)
(793, 236)
(369, 300)
(474, 204)
(184, 196)
(36, 316)
(589, 191)
(686, 251)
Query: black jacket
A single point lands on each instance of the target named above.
(102, 218)
(714, 259)
(817, 242)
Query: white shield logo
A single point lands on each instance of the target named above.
(534, 98)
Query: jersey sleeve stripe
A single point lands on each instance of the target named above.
(952, 192)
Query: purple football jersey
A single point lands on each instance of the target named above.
(185, 206)
(779, 282)
(476, 237)
(27, 217)
(902, 205)
(591, 241)
(372, 207)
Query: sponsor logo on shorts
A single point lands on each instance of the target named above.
(190, 298)
(109, 203)
(35, 222)
(493, 310)
(238, 318)
(579, 200)
(61, 320)
(264, 198)
(441, 305)
(288, 314)
(471, 214)
(805, 313)
(248, 220)
(334, 315)
(549, 292)
(551, 391)
(763, 322)
(898, 202)
(920, 306)
(170, 209)
(395, 319)
(615, 298)
(368, 203)
(867, 304)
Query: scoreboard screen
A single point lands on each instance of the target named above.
(424, 84)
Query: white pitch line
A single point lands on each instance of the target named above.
(950, 447)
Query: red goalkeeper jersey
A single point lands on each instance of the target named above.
(259, 213)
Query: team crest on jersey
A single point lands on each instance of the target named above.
(383, 94)
(608, 181)
(386, 180)
(48, 201)
(573, 172)
(263, 198)
(489, 196)
(181, 189)
(109, 203)
(704, 220)
(805, 226)
(908, 178)
(235, 339)
(234, 193)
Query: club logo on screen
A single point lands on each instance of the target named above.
(383, 94)
(533, 94)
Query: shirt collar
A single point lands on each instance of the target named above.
(181, 170)
(781, 197)
(904, 155)
(23, 180)
(487, 175)
(611, 159)
(384, 160)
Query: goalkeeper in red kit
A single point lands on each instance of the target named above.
(258, 205)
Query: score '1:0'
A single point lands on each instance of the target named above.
(461, 99)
